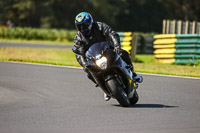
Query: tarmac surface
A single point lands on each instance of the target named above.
(48, 99)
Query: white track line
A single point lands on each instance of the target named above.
(171, 76)
(38, 64)
(81, 69)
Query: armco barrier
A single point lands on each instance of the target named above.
(177, 49)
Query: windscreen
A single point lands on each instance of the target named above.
(97, 50)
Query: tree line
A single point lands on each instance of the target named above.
(121, 15)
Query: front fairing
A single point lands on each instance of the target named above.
(114, 61)
(97, 50)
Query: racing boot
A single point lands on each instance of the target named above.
(106, 97)
(137, 77)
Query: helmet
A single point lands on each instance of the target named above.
(83, 22)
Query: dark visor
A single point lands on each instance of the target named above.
(82, 27)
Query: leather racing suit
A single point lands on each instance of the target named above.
(100, 32)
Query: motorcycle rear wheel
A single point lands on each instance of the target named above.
(118, 92)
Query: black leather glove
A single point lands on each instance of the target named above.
(117, 49)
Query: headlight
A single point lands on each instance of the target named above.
(102, 63)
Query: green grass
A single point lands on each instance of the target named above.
(144, 63)
(148, 64)
(39, 55)
(36, 41)
(145, 59)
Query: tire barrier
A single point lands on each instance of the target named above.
(134, 42)
(126, 40)
(177, 48)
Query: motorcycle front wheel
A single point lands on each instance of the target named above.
(135, 98)
(118, 92)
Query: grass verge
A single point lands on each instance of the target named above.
(148, 64)
(36, 41)
(39, 55)
(144, 63)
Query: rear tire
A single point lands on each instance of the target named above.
(118, 92)
(134, 99)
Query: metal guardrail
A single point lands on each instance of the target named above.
(177, 48)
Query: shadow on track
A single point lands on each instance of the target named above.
(149, 106)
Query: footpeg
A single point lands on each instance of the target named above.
(97, 85)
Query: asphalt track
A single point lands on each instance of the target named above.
(46, 99)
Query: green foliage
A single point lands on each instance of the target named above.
(121, 15)
(37, 34)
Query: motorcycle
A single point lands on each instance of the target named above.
(112, 74)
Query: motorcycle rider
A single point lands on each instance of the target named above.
(90, 32)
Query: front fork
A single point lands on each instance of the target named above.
(98, 77)
(101, 82)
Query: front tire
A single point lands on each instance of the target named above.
(134, 99)
(118, 92)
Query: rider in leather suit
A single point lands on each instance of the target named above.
(90, 32)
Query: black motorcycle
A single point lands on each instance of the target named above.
(112, 74)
